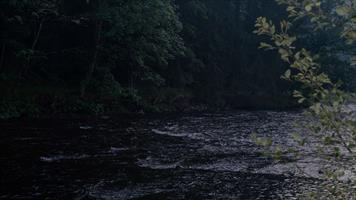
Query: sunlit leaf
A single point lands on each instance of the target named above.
(343, 10)
(308, 7)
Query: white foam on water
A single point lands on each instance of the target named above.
(63, 157)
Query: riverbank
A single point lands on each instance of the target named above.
(36, 100)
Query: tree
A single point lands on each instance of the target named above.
(36, 13)
(97, 24)
(143, 36)
(337, 132)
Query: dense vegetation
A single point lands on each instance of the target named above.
(93, 56)
(334, 125)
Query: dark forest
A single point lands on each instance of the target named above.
(177, 99)
(152, 56)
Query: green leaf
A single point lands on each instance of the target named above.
(264, 45)
(343, 10)
(353, 61)
(297, 94)
(309, 7)
(290, 8)
(301, 100)
(284, 54)
(287, 74)
(316, 108)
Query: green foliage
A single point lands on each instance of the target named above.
(323, 14)
(143, 33)
(225, 69)
(333, 126)
(118, 50)
(16, 109)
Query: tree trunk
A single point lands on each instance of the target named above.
(2, 56)
(92, 66)
(33, 47)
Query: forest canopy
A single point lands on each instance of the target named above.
(157, 55)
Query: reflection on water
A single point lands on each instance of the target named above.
(200, 156)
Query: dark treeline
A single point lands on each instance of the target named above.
(152, 55)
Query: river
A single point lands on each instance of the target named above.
(188, 156)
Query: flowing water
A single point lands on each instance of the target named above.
(195, 156)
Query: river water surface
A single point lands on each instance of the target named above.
(195, 156)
